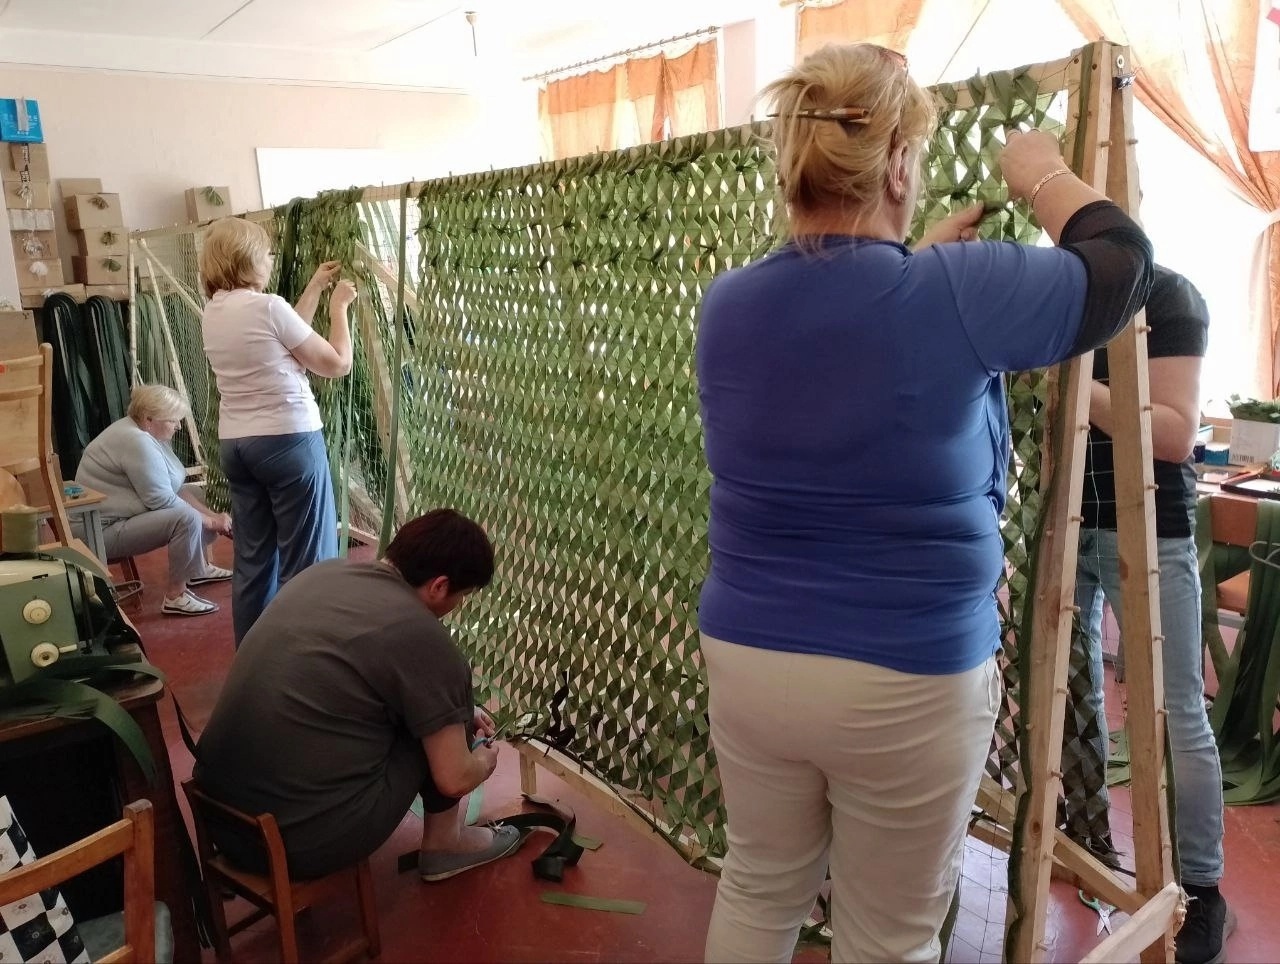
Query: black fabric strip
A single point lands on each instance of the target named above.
(1118, 263)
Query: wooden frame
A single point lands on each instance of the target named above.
(1101, 113)
(1103, 110)
(1100, 125)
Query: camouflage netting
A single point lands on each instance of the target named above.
(544, 374)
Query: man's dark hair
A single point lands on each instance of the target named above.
(443, 542)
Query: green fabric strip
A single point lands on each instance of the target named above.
(77, 700)
(593, 903)
(1243, 713)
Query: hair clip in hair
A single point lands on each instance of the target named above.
(845, 115)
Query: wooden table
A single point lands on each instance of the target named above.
(31, 750)
(86, 508)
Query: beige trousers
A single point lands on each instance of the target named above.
(828, 761)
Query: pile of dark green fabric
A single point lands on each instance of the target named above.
(1244, 711)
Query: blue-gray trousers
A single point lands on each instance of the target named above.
(283, 512)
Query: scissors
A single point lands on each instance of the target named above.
(1103, 911)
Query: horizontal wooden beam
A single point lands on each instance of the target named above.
(1161, 915)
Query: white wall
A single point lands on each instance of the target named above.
(149, 137)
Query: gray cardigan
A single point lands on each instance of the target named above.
(133, 469)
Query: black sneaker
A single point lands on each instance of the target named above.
(1203, 938)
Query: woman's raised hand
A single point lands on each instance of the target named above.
(960, 225)
(343, 294)
(325, 275)
(1027, 157)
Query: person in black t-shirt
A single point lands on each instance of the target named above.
(1178, 320)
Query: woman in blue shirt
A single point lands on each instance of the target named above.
(857, 603)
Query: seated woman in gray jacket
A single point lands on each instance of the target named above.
(148, 504)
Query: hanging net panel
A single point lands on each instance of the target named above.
(524, 353)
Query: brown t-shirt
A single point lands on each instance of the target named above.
(345, 662)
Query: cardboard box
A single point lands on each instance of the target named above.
(67, 186)
(202, 203)
(31, 194)
(30, 245)
(51, 278)
(30, 219)
(31, 159)
(18, 335)
(103, 242)
(100, 271)
(114, 292)
(1253, 441)
(93, 211)
(34, 297)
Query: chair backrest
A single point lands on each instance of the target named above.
(1233, 519)
(262, 830)
(26, 411)
(133, 838)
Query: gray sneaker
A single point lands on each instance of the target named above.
(435, 866)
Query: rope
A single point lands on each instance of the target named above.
(389, 497)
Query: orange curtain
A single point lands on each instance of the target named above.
(888, 23)
(691, 90)
(637, 102)
(640, 109)
(1195, 67)
(577, 113)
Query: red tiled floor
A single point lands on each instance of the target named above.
(495, 913)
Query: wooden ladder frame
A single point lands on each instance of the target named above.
(1105, 159)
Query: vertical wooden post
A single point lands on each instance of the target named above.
(1139, 565)
(528, 775)
(1055, 583)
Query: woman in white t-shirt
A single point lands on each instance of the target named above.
(272, 448)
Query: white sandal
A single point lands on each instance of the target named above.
(188, 604)
(211, 574)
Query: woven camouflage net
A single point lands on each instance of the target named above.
(544, 370)
(552, 374)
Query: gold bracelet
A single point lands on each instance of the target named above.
(1031, 198)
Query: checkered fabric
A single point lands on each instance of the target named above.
(38, 928)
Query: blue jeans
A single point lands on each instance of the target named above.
(283, 512)
(1197, 771)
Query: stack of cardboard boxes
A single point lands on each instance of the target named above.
(95, 221)
(28, 196)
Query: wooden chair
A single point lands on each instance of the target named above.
(131, 585)
(273, 893)
(26, 430)
(1234, 521)
(134, 838)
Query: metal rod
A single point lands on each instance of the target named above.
(428, 23)
(623, 53)
(232, 14)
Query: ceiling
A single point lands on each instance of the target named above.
(397, 43)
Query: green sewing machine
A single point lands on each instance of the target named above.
(55, 605)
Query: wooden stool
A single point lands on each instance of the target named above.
(132, 583)
(273, 893)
